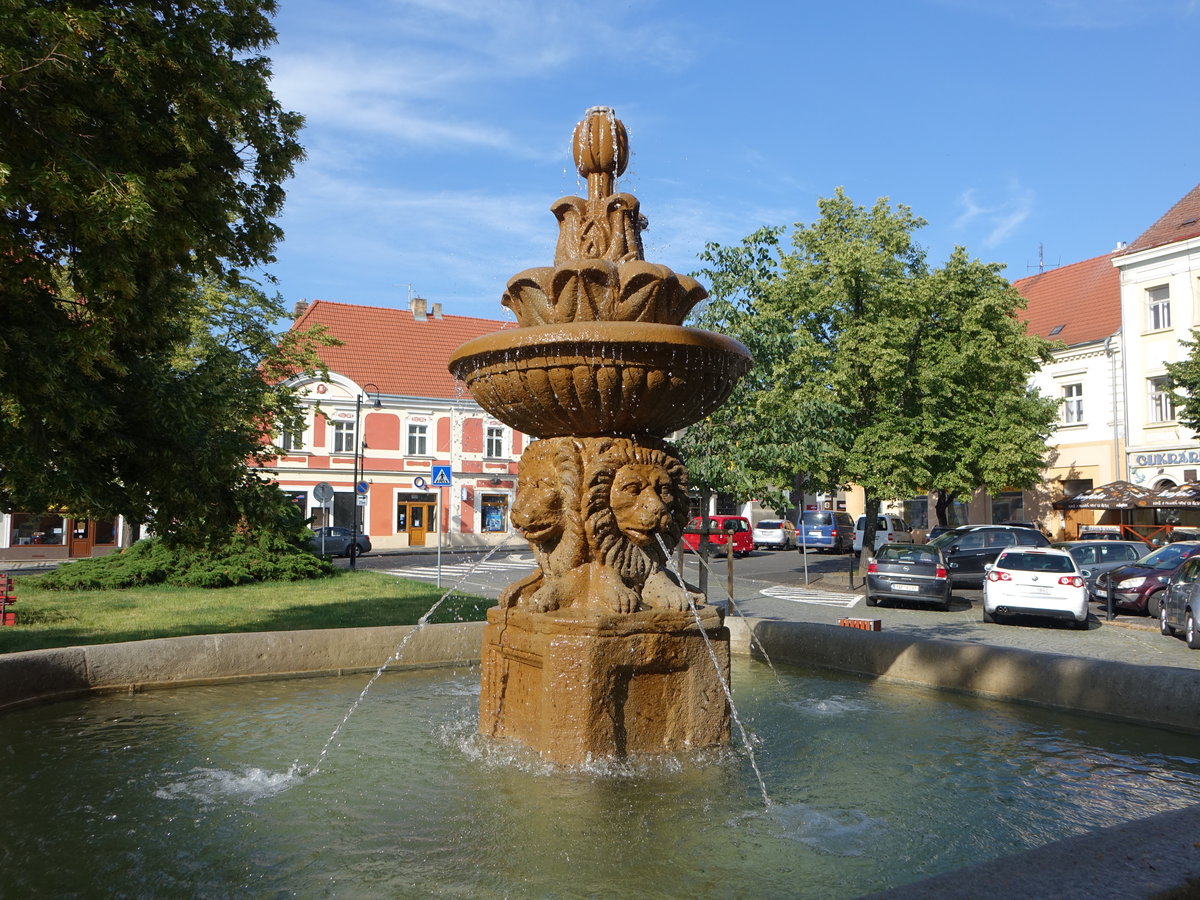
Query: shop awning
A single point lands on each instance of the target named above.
(1114, 495)
(1180, 496)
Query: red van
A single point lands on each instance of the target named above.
(723, 529)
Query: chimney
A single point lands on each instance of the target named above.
(300, 307)
(436, 310)
(418, 309)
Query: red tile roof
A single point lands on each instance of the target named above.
(1179, 223)
(1084, 297)
(392, 350)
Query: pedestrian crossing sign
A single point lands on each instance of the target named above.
(441, 476)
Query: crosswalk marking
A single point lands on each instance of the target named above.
(807, 595)
(459, 569)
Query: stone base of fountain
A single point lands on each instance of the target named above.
(575, 684)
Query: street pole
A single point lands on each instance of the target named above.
(354, 485)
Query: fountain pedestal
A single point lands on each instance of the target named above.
(603, 651)
(578, 687)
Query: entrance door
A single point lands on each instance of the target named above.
(81, 539)
(416, 517)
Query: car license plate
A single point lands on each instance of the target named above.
(814, 534)
(906, 587)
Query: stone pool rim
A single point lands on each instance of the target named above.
(1150, 857)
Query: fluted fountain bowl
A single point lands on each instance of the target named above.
(600, 378)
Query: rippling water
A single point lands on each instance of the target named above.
(200, 792)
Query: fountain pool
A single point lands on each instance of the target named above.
(187, 792)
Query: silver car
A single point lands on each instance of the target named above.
(1095, 557)
(774, 534)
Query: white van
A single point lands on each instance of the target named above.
(889, 529)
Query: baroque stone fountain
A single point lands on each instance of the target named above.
(602, 651)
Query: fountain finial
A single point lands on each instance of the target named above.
(600, 146)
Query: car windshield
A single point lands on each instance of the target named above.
(815, 517)
(1167, 557)
(945, 539)
(1036, 562)
(896, 553)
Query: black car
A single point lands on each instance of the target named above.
(968, 548)
(908, 572)
(1138, 587)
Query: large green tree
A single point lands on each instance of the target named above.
(142, 154)
(869, 367)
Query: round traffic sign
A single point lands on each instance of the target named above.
(363, 487)
(323, 492)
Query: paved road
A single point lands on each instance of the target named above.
(774, 585)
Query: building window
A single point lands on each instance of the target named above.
(1162, 399)
(343, 437)
(1072, 408)
(29, 530)
(493, 512)
(106, 531)
(418, 440)
(1008, 506)
(495, 441)
(292, 440)
(1158, 308)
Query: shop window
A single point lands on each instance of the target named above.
(494, 512)
(106, 531)
(1008, 506)
(28, 530)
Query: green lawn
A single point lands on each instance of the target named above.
(348, 600)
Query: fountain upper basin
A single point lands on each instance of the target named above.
(600, 378)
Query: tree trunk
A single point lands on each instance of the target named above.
(942, 506)
(871, 527)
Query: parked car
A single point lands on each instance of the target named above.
(969, 548)
(909, 572)
(1114, 535)
(935, 530)
(1137, 587)
(826, 530)
(1035, 581)
(774, 534)
(1096, 557)
(723, 529)
(889, 529)
(333, 540)
(1180, 606)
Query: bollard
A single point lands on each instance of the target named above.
(1110, 614)
(8, 597)
(729, 568)
(853, 570)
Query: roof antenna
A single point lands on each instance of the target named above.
(1041, 266)
(410, 292)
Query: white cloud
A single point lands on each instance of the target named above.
(998, 217)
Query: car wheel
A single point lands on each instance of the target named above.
(988, 618)
(1080, 625)
(1153, 604)
(944, 606)
(355, 551)
(872, 601)
(1189, 632)
(1164, 626)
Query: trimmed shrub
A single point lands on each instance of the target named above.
(242, 561)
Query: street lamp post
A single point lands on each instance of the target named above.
(359, 445)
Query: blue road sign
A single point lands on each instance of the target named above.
(441, 476)
(363, 487)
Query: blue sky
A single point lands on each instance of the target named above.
(438, 130)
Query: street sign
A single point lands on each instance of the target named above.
(363, 487)
(362, 499)
(420, 483)
(441, 476)
(323, 492)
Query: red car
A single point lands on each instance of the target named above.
(1138, 587)
(723, 529)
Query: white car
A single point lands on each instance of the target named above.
(774, 534)
(889, 529)
(1035, 581)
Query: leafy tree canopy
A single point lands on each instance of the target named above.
(142, 155)
(870, 367)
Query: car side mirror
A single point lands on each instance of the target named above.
(1086, 573)
(954, 549)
